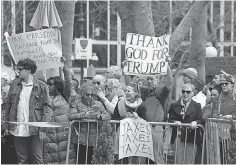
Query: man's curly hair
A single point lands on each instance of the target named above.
(28, 64)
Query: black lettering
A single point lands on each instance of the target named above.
(129, 53)
(137, 54)
(123, 136)
(165, 52)
(129, 128)
(123, 147)
(141, 138)
(141, 38)
(144, 148)
(131, 41)
(142, 127)
(162, 64)
(137, 148)
(144, 65)
(136, 66)
(150, 151)
(127, 137)
(128, 149)
(135, 137)
(156, 54)
(164, 39)
(136, 126)
(148, 140)
(150, 43)
(156, 69)
(159, 42)
(129, 65)
(143, 57)
(147, 128)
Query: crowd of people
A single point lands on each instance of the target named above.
(112, 96)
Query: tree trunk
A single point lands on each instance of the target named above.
(66, 11)
(182, 29)
(198, 45)
(136, 17)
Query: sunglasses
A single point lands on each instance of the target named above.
(187, 92)
(213, 94)
(97, 82)
(224, 84)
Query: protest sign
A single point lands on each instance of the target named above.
(213, 65)
(83, 48)
(42, 46)
(135, 138)
(146, 55)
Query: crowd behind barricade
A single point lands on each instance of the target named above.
(113, 96)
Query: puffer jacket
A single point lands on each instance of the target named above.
(55, 144)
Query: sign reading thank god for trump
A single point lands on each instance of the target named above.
(146, 55)
(42, 46)
(135, 138)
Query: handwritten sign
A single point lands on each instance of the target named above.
(215, 64)
(42, 46)
(146, 55)
(135, 138)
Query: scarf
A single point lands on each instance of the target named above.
(123, 104)
(184, 107)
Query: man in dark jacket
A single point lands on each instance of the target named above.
(188, 111)
(28, 101)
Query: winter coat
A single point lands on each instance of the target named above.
(55, 144)
(88, 131)
(228, 105)
(193, 113)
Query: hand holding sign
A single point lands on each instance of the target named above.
(146, 55)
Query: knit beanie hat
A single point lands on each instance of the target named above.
(190, 72)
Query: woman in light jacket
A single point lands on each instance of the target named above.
(127, 107)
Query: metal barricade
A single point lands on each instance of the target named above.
(218, 140)
(183, 151)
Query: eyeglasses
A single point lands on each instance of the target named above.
(188, 92)
(213, 94)
(97, 82)
(224, 84)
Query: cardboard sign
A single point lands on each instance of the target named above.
(213, 65)
(146, 55)
(42, 46)
(83, 48)
(135, 138)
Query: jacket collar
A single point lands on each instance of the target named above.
(177, 107)
(35, 82)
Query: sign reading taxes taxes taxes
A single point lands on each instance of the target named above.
(42, 46)
(146, 55)
(135, 138)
